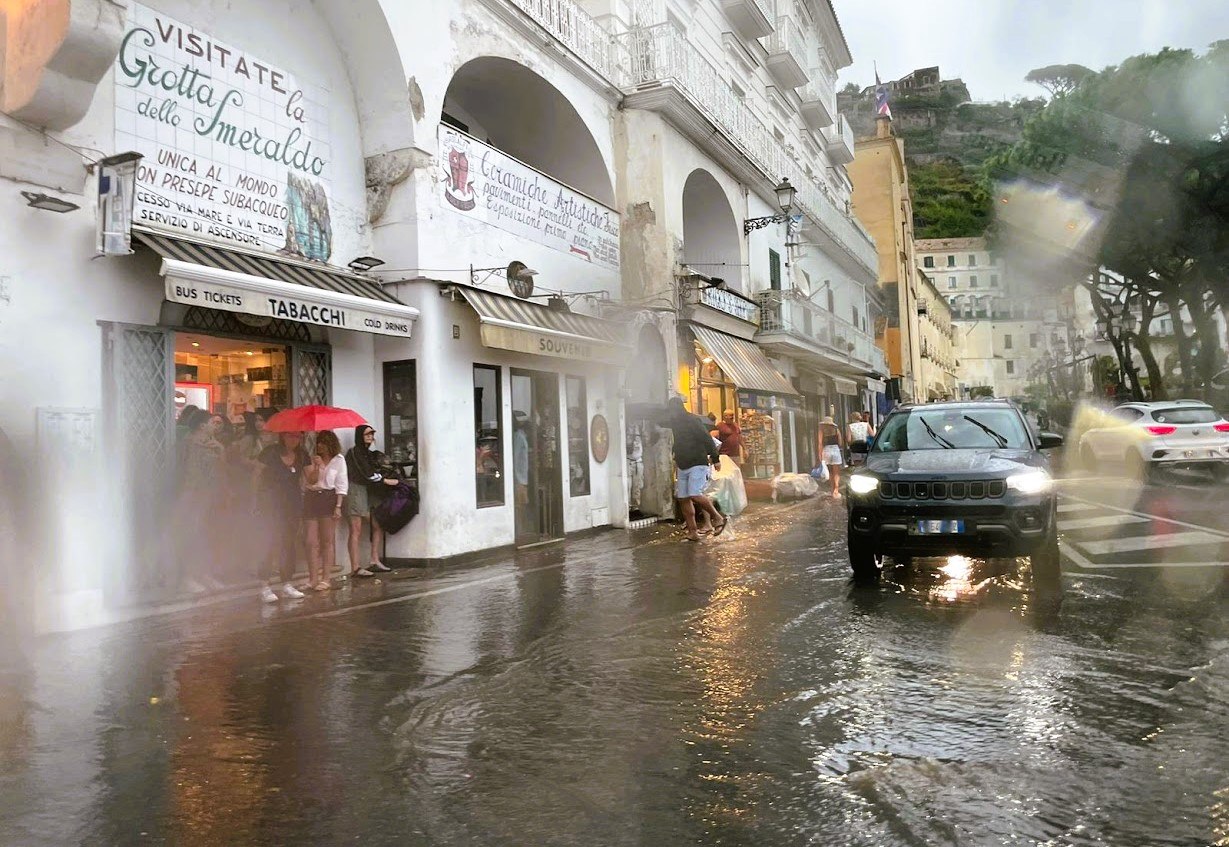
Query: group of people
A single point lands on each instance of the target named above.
(833, 442)
(276, 496)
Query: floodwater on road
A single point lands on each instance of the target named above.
(629, 689)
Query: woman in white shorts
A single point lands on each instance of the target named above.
(830, 453)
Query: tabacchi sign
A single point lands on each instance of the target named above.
(235, 149)
(488, 185)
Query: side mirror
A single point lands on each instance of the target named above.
(1049, 440)
(860, 447)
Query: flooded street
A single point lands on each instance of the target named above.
(630, 689)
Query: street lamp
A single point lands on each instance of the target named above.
(785, 199)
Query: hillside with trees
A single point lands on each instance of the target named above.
(947, 139)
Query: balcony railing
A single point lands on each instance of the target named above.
(840, 141)
(753, 18)
(839, 339)
(787, 53)
(818, 102)
(579, 32)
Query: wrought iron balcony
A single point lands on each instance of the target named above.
(753, 18)
(576, 30)
(787, 53)
(789, 320)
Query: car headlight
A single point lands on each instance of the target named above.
(1030, 482)
(861, 483)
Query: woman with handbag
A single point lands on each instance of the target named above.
(327, 486)
(369, 480)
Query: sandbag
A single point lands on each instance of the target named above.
(793, 486)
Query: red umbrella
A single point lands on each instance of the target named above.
(312, 419)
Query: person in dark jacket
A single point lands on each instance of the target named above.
(368, 486)
(695, 452)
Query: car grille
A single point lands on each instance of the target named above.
(977, 489)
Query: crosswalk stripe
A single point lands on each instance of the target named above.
(1066, 508)
(1104, 520)
(1149, 542)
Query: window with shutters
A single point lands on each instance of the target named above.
(774, 270)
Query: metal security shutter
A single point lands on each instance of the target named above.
(140, 364)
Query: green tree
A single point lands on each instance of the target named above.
(1146, 146)
(1058, 79)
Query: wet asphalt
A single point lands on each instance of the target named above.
(631, 689)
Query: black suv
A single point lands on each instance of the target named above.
(954, 478)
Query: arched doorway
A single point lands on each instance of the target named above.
(647, 381)
(711, 243)
(508, 106)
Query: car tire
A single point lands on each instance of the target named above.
(863, 561)
(1046, 562)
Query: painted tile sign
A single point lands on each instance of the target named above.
(488, 185)
(235, 149)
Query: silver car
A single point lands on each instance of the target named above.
(1164, 433)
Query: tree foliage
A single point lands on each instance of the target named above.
(1146, 146)
(948, 201)
(1059, 80)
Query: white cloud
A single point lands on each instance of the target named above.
(992, 44)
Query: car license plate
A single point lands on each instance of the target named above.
(938, 527)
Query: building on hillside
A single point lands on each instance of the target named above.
(937, 380)
(881, 202)
(1001, 329)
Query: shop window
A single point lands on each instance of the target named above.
(488, 435)
(774, 270)
(401, 417)
(578, 437)
(229, 377)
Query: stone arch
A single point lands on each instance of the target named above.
(711, 241)
(386, 96)
(648, 379)
(509, 106)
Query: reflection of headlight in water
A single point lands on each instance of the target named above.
(957, 567)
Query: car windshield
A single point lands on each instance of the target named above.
(1186, 415)
(952, 428)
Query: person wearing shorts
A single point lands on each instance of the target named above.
(367, 485)
(830, 452)
(695, 452)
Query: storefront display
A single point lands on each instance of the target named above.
(760, 442)
(228, 376)
(578, 437)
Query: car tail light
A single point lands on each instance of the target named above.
(1161, 430)
(1221, 427)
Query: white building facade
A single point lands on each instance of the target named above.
(553, 191)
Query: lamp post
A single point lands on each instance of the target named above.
(785, 199)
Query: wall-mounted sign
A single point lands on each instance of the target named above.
(765, 402)
(731, 304)
(234, 148)
(599, 438)
(299, 303)
(488, 185)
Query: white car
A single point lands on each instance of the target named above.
(1164, 433)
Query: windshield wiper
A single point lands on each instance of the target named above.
(930, 431)
(998, 438)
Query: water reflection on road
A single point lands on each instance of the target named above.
(623, 691)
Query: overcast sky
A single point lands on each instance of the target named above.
(992, 44)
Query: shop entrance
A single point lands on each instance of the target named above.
(536, 469)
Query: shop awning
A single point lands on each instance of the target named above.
(510, 323)
(845, 386)
(743, 362)
(217, 277)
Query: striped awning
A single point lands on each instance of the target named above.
(218, 277)
(510, 323)
(743, 362)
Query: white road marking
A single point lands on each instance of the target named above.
(1104, 520)
(1064, 508)
(1149, 542)
(1074, 555)
(1149, 517)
